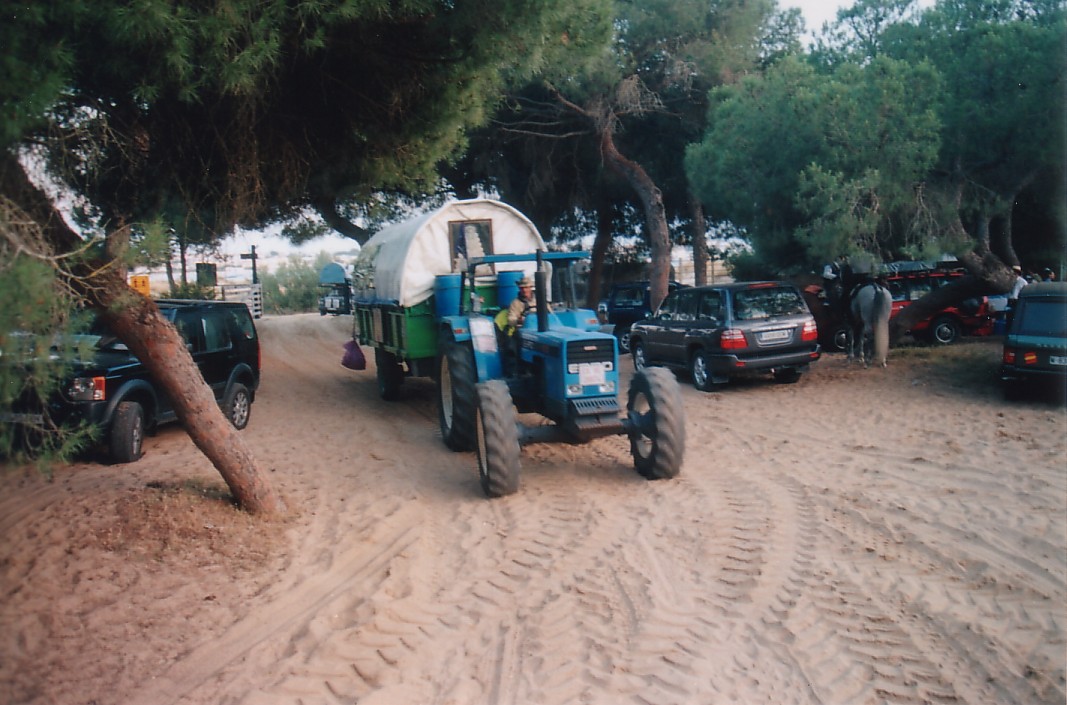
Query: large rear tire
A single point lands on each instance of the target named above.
(498, 440)
(456, 396)
(657, 423)
(126, 439)
(390, 374)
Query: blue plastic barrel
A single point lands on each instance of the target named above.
(446, 293)
(507, 287)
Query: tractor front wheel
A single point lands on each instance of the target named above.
(656, 423)
(498, 439)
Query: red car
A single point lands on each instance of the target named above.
(971, 317)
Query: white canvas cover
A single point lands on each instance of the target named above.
(399, 263)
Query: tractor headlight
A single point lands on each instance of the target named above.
(483, 336)
(574, 390)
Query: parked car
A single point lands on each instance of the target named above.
(973, 317)
(626, 304)
(722, 331)
(1035, 345)
(114, 392)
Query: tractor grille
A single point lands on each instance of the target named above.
(600, 350)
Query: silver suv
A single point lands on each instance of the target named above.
(727, 330)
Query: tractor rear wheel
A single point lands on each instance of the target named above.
(657, 423)
(498, 439)
(390, 374)
(456, 396)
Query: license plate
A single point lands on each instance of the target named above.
(22, 418)
(774, 336)
(1057, 360)
(591, 373)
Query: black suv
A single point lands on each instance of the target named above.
(628, 303)
(727, 330)
(114, 392)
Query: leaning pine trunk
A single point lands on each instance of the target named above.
(655, 213)
(152, 338)
(138, 322)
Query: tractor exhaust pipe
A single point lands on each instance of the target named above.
(540, 287)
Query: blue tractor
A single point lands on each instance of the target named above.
(558, 364)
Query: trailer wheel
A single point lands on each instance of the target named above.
(390, 374)
(657, 423)
(498, 439)
(456, 396)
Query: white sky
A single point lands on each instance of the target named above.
(815, 12)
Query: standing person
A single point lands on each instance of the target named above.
(837, 279)
(1020, 282)
(1048, 275)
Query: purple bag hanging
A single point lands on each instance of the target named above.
(354, 358)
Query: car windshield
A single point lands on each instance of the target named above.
(1044, 318)
(101, 337)
(756, 304)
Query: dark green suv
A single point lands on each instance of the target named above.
(1035, 346)
(115, 393)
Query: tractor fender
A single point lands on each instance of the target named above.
(483, 341)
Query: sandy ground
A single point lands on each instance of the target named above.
(864, 536)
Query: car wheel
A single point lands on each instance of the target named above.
(839, 340)
(786, 375)
(456, 396)
(701, 373)
(623, 334)
(125, 442)
(637, 350)
(497, 439)
(656, 424)
(945, 330)
(237, 406)
(390, 374)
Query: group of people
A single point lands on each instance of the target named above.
(1021, 280)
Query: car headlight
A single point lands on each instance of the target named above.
(88, 389)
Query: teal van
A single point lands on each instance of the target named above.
(1035, 345)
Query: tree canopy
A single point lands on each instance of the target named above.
(903, 134)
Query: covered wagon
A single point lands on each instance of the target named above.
(412, 274)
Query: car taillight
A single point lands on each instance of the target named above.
(1009, 356)
(88, 389)
(810, 332)
(1029, 357)
(733, 339)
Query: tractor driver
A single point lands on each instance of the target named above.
(512, 318)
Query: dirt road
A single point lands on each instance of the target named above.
(863, 536)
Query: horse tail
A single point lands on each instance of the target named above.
(881, 308)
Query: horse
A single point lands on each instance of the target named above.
(868, 331)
